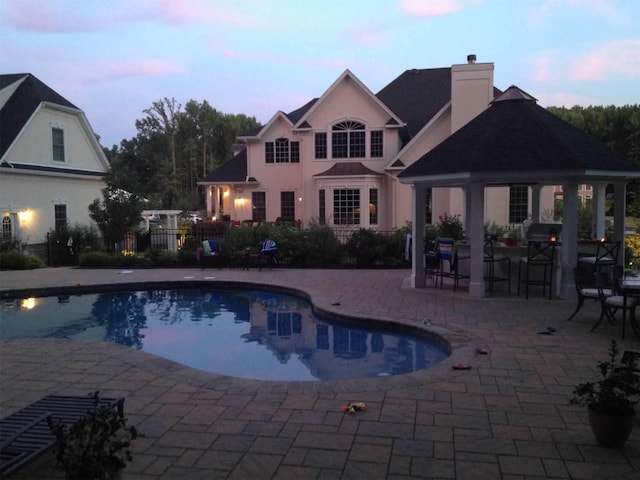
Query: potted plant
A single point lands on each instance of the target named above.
(96, 447)
(611, 400)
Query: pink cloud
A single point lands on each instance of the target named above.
(179, 12)
(50, 17)
(611, 59)
(107, 71)
(542, 71)
(367, 37)
(84, 16)
(431, 8)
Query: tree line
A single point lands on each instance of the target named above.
(174, 148)
(617, 127)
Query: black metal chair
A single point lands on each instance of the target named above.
(540, 258)
(606, 256)
(448, 265)
(586, 292)
(490, 262)
(614, 302)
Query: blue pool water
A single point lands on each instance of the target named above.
(242, 333)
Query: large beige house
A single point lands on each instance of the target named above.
(51, 163)
(336, 159)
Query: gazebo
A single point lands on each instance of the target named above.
(517, 142)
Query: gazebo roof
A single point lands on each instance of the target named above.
(517, 140)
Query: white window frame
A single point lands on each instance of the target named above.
(55, 128)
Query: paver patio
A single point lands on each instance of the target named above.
(506, 418)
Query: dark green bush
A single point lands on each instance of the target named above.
(19, 261)
(96, 259)
(367, 247)
(162, 258)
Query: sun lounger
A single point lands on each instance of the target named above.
(25, 434)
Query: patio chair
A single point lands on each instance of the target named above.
(25, 434)
(448, 265)
(208, 253)
(585, 291)
(490, 262)
(614, 302)
(269, 252)
(606, 256)
(540, 259)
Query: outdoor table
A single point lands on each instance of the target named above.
(629, 287)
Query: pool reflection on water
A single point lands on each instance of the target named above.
(242, 333)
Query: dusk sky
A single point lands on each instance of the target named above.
(114, 58)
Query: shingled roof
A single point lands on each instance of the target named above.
(515, 136)
(21, 105)
(417, 95)
(234, 171)
(341, 169)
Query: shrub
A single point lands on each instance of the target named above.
(367, 247)
(162, 258)
(632, 248)
(450, 226)
(96, 259)
(14, 260)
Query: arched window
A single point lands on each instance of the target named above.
(348, 140)
(6, 226)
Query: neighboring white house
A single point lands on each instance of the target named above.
(336, 160)
(51, 163)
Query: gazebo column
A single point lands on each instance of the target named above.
(209, 199)
(619, 211)
(598, 204)
(535, 202)
(417, 258)
(467, 210)
(172, 241)
(569, 249)
(475, 193)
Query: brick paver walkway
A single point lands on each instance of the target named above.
(506, 418)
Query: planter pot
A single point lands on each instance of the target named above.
(611, 431)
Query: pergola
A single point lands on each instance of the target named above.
(517, 142)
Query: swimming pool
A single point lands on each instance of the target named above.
(254, 334)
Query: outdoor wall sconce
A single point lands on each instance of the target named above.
(553, 235)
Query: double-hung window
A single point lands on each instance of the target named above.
(377, 147)
(60, 216)
(348, 140)
(320, 145)
(518, 203)
(282, 151)
(57, 143)
(322, 208)
(373, 206)
(346, 206)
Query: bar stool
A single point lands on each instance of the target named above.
(490, 262)
(540, 256)
(448, 265)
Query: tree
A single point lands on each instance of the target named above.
(174, 149)
(117, 213)
(619, 128)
